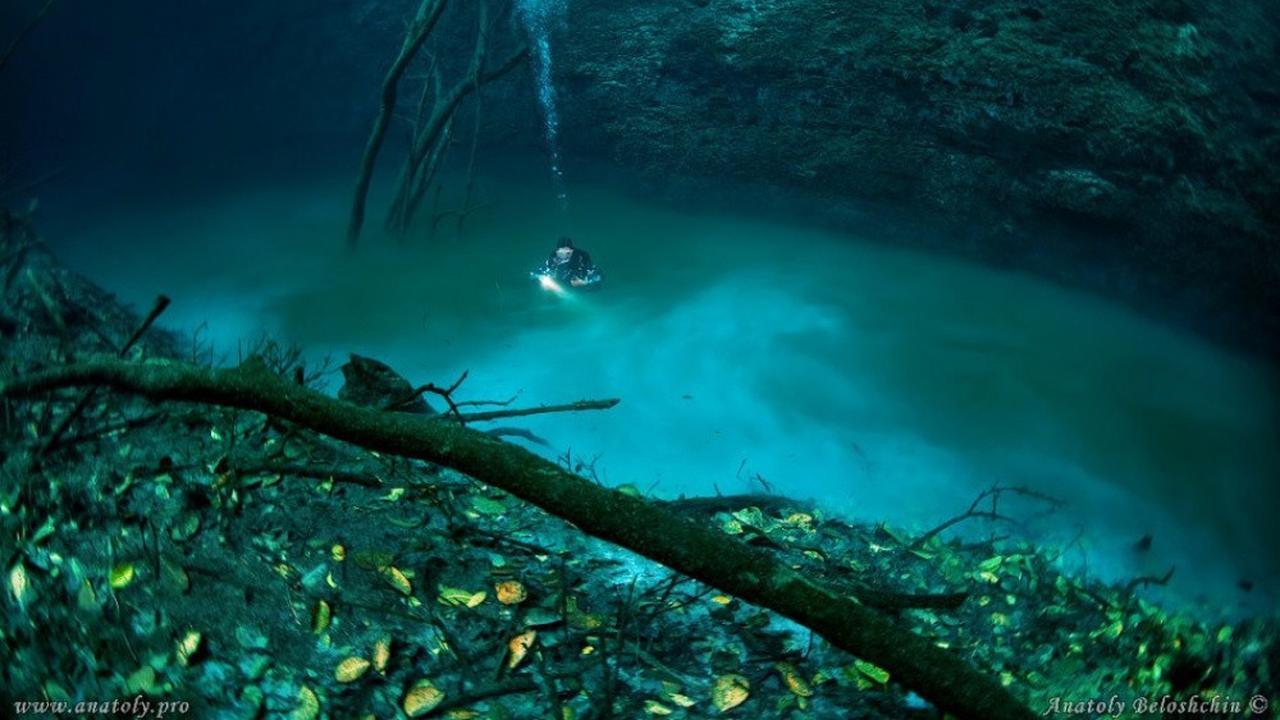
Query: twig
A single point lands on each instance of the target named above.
(548, 683)
(307, 471)
(764, 484)
(540, 410)
(993, 493)
(506, 539)
(162, 302)
(1146, 580)
(512, 686)
(488, 403)
(14, 260)
(108, 429)
(446, 393)
(50, 307)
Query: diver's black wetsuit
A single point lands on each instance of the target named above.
(577, 267)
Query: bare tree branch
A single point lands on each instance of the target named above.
(578, 406)
(428, 15)
(993, 494)
(161, 303)
(1146, 580)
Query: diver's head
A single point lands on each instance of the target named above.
(564, 248)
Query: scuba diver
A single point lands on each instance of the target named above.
(568, 264)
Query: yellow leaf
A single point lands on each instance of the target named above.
(422, 698)
(320, 616)
(308, 707)
(800, 519)
(461, 714)
(351, 669)
(121, 575)
(510, 592)
(338, 553)
(794, 682)
(875, 672)
(381, 653)
(991, 564)
(397, 579)
(729, 692)
(519, 646)
(188, 646)
(18, 583)
(456, 597)
(721, 599)
(653, 707)
(683, 701)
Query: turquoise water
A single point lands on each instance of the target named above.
(886, 384)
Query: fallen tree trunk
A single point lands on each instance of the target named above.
(650, 529)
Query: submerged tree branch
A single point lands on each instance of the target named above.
(670, 538)
(161, 303)
(428, 15)
(992, 494)
(578, 406)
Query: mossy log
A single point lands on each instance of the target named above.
(650, 529)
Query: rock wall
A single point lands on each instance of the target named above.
(1129, 146)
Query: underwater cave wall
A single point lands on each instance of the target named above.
(1128, 146)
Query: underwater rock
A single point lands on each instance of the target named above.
(373, 383)
(1051, 136)
(1078, 191)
